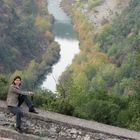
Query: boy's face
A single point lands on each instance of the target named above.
(17, 82)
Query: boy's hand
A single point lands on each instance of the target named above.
(31, 93)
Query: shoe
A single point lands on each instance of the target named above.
(32, 110)
(19, 130)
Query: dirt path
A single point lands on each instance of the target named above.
(105, 12)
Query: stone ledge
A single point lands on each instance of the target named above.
(74, 122)
(13, 135)
(2, 138)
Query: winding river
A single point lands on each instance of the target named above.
(66, 38)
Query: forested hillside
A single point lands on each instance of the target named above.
(27, 44)
(103, 82)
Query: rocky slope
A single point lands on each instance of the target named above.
(106, 12)
(101, 14)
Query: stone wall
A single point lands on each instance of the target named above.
(48, 125)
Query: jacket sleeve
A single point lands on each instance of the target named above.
(18, 91)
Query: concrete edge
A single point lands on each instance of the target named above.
(12, 134)
(85, 124)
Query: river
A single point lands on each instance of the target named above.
(66, 38)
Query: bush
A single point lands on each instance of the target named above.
(3, 87)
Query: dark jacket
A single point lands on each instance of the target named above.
(13, 93)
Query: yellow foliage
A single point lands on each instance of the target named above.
(89, 54)
(31, 66)
(42, 24)
(81, 81)
(105, 27)
(49, 36)
(97, 58)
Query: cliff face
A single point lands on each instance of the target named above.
(51, 126)
(105, 12)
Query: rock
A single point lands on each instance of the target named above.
(2, 117)
(73, 131)
(87, 137)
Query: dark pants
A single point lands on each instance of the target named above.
(17, 111)
(24, 98)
